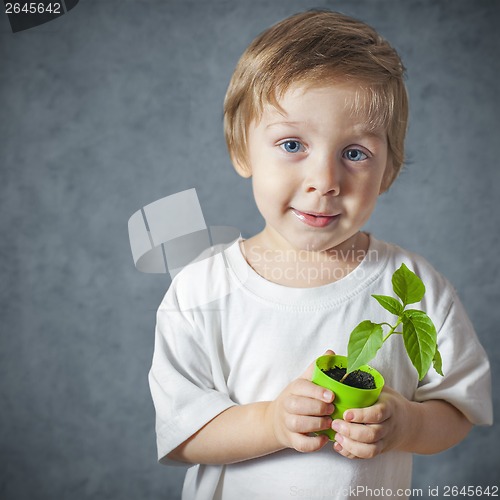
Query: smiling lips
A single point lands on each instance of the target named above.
(314, 219)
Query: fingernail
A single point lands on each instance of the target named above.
(337, 447)
(339, 438)
(337, 426)
(327, 396)
(349, 415)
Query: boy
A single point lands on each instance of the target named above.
(316, 114)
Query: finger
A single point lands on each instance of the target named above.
(338, 448)
(307, 389)
(300, 405)
(310, 369)
(306, 444)
(375, 414)
(354, 449)
(305, 424)
(369, 433)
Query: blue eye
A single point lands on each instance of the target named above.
(292, 146)
(355, 155)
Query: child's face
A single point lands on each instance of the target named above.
(317, 170)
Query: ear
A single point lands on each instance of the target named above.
(388, 177)
(242, 168)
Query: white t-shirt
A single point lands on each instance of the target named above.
(226, 336)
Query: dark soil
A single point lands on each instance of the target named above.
(357, 378)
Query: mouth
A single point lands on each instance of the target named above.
(315, 219)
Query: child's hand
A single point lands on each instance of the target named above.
(303, 407)
(367, 432)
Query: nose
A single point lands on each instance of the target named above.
(323, 177)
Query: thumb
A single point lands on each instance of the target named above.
(310, 369)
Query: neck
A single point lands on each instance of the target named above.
(304, 268)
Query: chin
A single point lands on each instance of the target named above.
(315, 245)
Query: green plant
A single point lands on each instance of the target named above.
(418, 330)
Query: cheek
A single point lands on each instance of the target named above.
(273, 186)
(262, 194)
(365, 198)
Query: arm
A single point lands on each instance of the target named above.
(257, 429)
(394, 423)
(238, 433)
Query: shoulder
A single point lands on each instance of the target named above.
(205, 280)
(439, 293)
(397, 255)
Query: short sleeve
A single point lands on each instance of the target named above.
(466, 383)
(181, 378)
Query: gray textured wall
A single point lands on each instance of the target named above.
(117, 104)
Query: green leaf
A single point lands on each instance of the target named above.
(364, 342)
(389, 303)
(407, 286)
(420, 337)
(437, 362)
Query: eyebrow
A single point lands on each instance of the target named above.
(373, 132)
(360, 130)
(275, 124)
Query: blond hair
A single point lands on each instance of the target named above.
(319, 48)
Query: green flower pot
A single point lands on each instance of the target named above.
(346, 397)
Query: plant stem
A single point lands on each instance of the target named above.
(392, 331)
(393, 328)
(387, 324)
